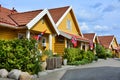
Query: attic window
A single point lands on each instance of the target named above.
(68, 24)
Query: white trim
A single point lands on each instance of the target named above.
(38, 17)
(53, 23)
(43, 44)
(60, 20)
(50, 41)
(28, 34)
(94, 37)
(77, 23)
(111, 42)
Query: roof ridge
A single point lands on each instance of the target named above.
(59, 7)
(107, 36)
(27, 12)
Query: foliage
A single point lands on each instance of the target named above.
(82, 62)
(75, 56)
(109, 53)
(19, 54)
(101, 51)
(48, 53)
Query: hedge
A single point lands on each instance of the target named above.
(19, 54)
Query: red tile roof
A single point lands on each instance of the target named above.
(4, 18)
(57, 13)
(12, 17)
(78, 37)
(20, 19)
(24, 17)
(89, 36)
(105, 40)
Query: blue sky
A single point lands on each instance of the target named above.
(99, 16)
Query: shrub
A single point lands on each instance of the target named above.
(75, 56)
(101, 51)
(19, 54)
(109, 53)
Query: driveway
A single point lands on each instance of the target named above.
(102, 70)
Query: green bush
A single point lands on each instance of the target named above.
(75, 56)
(19, 54)
(82, 62)
(101, 51)
(109, 53)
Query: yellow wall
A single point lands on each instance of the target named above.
(42, 25)
(114, 43)
(63, 24)
(7, 33)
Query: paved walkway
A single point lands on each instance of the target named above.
(58, 73)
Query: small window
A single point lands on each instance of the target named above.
(21, 35)
(69, 24)
(43, 41)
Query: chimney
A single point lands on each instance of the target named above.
(13, 10)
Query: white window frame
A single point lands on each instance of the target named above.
(69, 25)
(43, 44)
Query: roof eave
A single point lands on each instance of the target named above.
(12, 27)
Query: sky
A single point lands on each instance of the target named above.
(98, 16)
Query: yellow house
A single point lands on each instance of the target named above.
(60, 26)
(109, 42)
(28, 24)
(93, 40)
(68, 27)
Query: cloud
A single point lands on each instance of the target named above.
(86, 15)
(97, 5)
(109, 8)
(100, 28)
(85, 28)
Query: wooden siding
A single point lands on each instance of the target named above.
(8, 34)
(59, 48)
(114, 44)
(63, 24)
(42, 25)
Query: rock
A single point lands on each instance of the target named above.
(25, 76)
(3, 73)
(34, 76)
(14, 74)
(42, 74)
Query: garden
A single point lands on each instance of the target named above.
(24, 55)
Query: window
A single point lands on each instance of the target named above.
(43, 41)
(69, 24)
(21, 35)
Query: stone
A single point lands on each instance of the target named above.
(34, 76)
(14, 74)
(43, 73)
(3, 73)
(25, 76)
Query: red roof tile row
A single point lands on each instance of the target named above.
(89, 36)
(105, 40)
